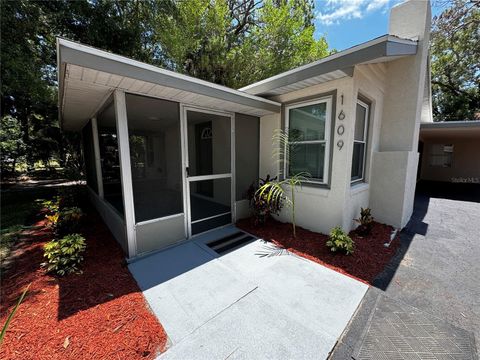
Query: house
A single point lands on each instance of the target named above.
(169, 156)
(449, 152)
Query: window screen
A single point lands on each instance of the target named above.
(89, 157)
(155, 157)
(109, 157)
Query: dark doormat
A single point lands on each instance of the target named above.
(384, 328)
(230, 242)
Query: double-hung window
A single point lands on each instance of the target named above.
(308, 127)
(360, 142)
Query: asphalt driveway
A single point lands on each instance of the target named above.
(430, 292)
(255, 302)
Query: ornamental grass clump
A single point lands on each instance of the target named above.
(340, 241)
(65, 255)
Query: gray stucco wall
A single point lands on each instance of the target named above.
(246, 152)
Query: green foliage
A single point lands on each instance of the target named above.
(8, 238)
(12, 147)
(69, 221)
(283, 39)
(260, 204)
(235, 43)
(17, 208)
(65, 255)
(28, 63)
(52, 220)
(12, 314)
(365, 221)
(339, 240)
(455, 65)
(51, 205)
(229, 42)
(276, 192)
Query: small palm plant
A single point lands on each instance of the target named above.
(275, 191)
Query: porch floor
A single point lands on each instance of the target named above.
(254, 302)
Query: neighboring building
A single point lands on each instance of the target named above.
(450, 151)
(169, 156)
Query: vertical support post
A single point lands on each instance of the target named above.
(186, 184)
(125, 169)
(232, 169)
(96, 151)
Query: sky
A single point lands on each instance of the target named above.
(346, 23)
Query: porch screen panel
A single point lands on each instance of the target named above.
(210, 210)
(109, 157)
(89, 157)
(246, 153)
(155, 157)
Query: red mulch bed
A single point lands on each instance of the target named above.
(368, 260)
(99, 314)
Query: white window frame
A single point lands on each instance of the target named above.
(364, 141)
(326, 141)
(445, 154)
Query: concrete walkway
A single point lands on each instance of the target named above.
(255, 302)
(433, 283)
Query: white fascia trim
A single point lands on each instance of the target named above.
(125, 60)
(384, 38)
(450, 124)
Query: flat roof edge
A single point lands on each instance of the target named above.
(450, 124)
(86, 56)
(386, 45)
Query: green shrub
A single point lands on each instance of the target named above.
(339, 240)
(52, 206)
(69, 221)
(65, 255)
(365, 222)
(52, 220)
(261, 205)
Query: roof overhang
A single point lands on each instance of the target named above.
(87, 76)
(335, 66)
(450, 130)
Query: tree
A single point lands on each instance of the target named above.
(237, 42)
(283, 39)
(12, 147)
(28, 58)
(229, 42)
(455, 63)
